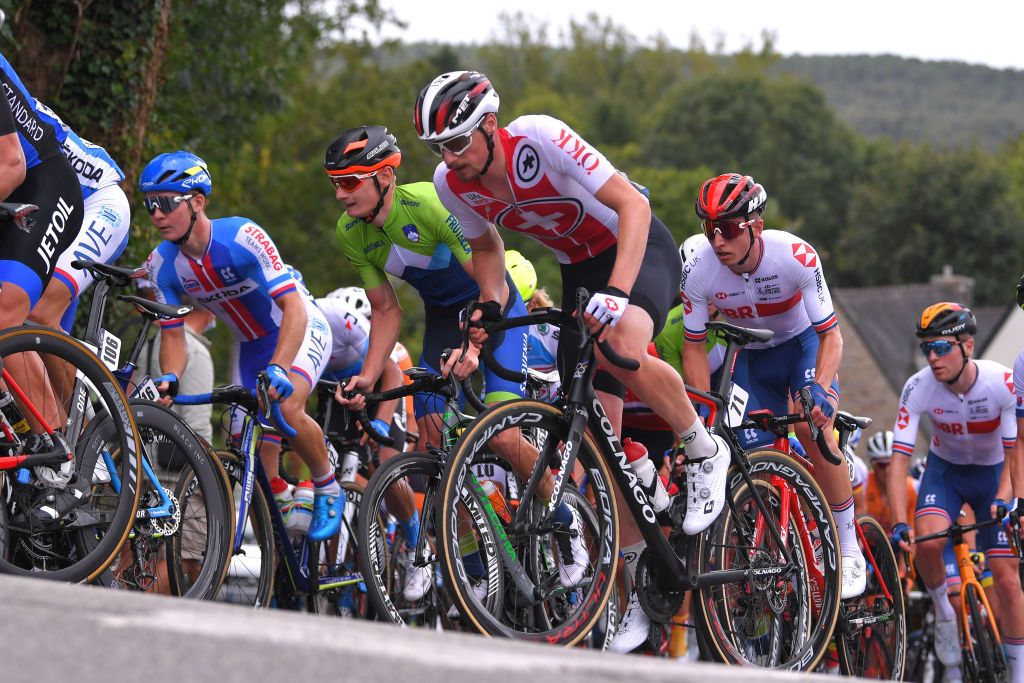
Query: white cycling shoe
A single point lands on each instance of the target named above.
(947, 646)
(479, 590)
(417, 579)
(572, 556)
(634, 628)
(705, 488)
(855, 576)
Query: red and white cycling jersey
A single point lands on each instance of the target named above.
(553, 174)
(785, 293)
(968, 429)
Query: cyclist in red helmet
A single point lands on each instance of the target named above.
(774, 280)
(538, 177)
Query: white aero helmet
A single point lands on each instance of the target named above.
(880, 446)
(354, 297)
(453, 104)
(690, 245)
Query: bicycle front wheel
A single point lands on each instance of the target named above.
(984, 645)
(768, 619)
(873, 643)
(65, 520)
(538, 603)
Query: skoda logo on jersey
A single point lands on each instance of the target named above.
(411, 233)
(527, 164)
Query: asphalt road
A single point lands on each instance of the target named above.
(53, 632)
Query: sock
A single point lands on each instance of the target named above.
(846, 527)
(562, 515)
(630, 556)
(940, 601)
(696, 440)
(326, 485)
(282, 496)
(411, 529)
(1015, 658)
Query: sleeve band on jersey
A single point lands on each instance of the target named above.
(826, 324)
(904, 448)
(171, 324)
(695, 336)
(1009, 443)
(282, 290)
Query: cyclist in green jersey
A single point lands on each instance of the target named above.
(405, 231)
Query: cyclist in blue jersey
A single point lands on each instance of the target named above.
(104, 233)
(28, 258)
(404, 230)
(232, 267)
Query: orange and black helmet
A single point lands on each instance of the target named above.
(946, 319)
(730, 195)
(363, 149)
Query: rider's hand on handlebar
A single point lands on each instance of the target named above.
(823, 409)
(902, 536)
(279, 386)
(605, 309)
(462, 367)
(350, 393)
(167, 385)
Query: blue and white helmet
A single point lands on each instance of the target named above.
(179, 171)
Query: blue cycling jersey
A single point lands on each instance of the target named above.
(239, 278)
(38, 139)
(92, 164)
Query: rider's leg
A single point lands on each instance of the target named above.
(26, 369)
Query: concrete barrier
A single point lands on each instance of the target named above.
(55, 632)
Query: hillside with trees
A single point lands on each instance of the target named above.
(860, 155)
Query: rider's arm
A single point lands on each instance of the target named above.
(12, 157)
(293, 329)
(634, 223)
(385, 323)
(488, 266)
(173, 350)
(391, 378)
(830, 355)
(695, 363)
(904, 438)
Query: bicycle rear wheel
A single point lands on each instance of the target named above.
(984, 642)
(186, 553)
(561, 615)
(780, 621)
(337, 587)
(66, 521)
(874, 643)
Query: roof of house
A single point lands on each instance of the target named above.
(884, 318)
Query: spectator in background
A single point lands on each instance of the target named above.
(198, 375)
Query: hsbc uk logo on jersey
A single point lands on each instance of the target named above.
(902, 418)
(803, 253)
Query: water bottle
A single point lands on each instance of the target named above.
(13, 414)
(644, 469)
(349, 466)
(497, 500)
(301, 516)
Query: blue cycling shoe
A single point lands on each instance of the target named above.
(327, 511)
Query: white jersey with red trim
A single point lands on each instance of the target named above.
(1018, 382)
(553, 175)
(967, 429)
(785, 293)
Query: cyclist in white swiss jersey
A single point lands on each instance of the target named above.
(970, 404)
(538, 177)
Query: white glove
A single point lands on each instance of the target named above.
(608, 305)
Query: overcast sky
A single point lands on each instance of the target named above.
(978, 32)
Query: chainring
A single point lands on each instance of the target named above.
(659, 605)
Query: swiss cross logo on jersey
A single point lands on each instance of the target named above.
(1008, 378)
(538, 216)
(687, 306)
(803, 253)
(902, 418)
